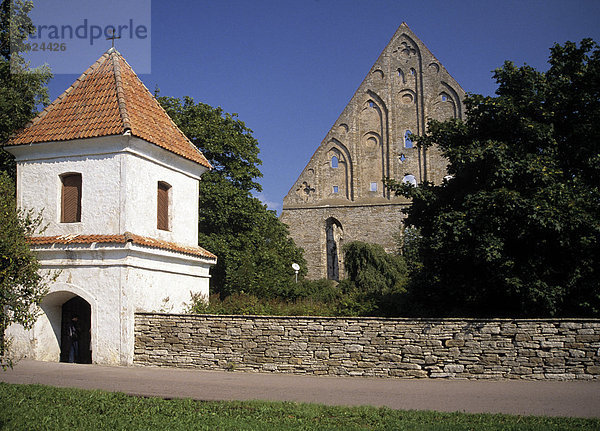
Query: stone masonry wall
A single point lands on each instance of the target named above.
(563, 349)
(377, 224)
(343, 182)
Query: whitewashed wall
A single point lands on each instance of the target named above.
(39, 188)
(143, 167)
(120, 175)
(116, 281)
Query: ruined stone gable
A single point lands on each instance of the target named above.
(339, 196)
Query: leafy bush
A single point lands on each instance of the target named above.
(246, 304)
(22, 285)
(375, 281)
(375, 287)
(319, 290)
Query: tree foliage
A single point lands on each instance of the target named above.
(516, 230)
(22, 287)
(254, 249)
(22, 89)
(375, 280)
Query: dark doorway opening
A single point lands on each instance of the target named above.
(79, 307)
(334, 236)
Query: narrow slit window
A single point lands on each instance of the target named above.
(334, 162)
(336, 189)
(373, 186)
(70, 211)
(401, 76)
(162, 207)
(408, 143)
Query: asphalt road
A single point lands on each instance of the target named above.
(544, 398)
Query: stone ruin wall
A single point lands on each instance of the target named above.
(374, 224)
(555, 349)
(369, 141)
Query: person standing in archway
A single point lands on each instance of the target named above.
(73, 334)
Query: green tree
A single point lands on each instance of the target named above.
(254, 249)
(515, 231)
(375, 280)
(22, 287)
(22, 89)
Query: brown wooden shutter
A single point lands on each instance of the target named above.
(71, 198)
(162, 208)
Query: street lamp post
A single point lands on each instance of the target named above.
(296, 268)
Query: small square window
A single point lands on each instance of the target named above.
(336, 189)
(373, 186)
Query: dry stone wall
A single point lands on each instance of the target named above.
(559, 349)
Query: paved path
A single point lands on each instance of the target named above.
(549, 398)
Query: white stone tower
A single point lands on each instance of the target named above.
(118, 185)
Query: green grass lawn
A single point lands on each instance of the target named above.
(35, 407)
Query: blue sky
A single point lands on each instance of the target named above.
(288, 68)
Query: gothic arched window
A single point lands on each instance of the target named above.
(408, 143)
(410, 179)
(334, 234)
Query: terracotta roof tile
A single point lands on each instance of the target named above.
(121, 239)
(108, 99)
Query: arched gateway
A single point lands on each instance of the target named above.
(76, 307)
(58, 307)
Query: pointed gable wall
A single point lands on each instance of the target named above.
(405, 87)
(342, 183)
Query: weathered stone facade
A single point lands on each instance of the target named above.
(559, 349)
(339, 196)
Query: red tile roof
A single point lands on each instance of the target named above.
(121, 239)
(108, 99)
